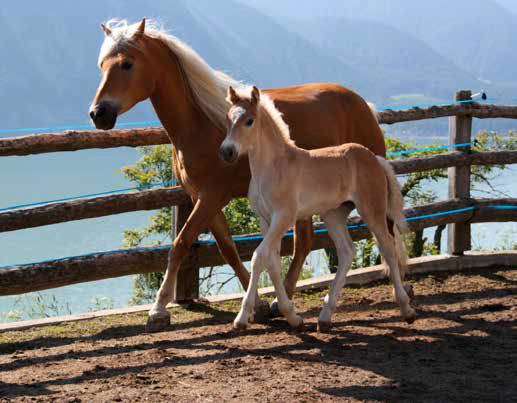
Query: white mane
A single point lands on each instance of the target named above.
(208, 85)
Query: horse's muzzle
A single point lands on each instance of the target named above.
(228, 153)
(103, 115)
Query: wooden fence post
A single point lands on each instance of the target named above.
(187, 287)
(460, 129)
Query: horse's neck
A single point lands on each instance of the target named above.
(174, 104)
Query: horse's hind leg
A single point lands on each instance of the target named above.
(335, 220)
(219, 228)
(375, 219)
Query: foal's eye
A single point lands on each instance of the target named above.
(249, 122)
(126, 65)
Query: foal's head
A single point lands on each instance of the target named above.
(241, 123)
(127, 74)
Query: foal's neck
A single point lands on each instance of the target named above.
(271, 143)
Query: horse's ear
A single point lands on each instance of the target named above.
(139, 30)
(231, 96)
(106, 30)
(255, 95)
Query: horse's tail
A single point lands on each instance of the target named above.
(396, 214)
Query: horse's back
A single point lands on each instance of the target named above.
(327, 114)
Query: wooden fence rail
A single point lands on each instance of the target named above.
(86, 139)
(100, 206)
(60, 272)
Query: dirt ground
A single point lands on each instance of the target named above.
(463, 347)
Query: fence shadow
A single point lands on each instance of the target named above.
(404, 355)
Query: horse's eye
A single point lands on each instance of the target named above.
(126, 65)
(249, 122)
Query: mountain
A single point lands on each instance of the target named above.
(389, 51)
(476, 35)
(510, 5)
(399, 61)
(51, 74)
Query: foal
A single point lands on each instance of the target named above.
(289, 183)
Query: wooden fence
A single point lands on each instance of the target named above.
(60, 272)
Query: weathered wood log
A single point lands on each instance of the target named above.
(453, 159)
(460, 131)
(496, 260)
(187, 285)
(60, 272)
(74, 140)
(100, 206)
(85, 139)
(92, 207)
(474, 109)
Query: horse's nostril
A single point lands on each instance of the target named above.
(101, 111)
(92, 114)
(227, 153)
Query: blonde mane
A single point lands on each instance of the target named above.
(208, 86)
(268, 114)
(274, 119)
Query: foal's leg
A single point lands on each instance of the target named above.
(302, 247)
(285, 305)
(245, 314)
(203, 212)
(267, 256)
(219, 228)
(376, 221)
(335, 220)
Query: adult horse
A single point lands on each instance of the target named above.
(140, 61)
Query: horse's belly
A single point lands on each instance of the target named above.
(317, 203)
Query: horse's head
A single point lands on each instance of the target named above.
(127, 74)
(241, 123)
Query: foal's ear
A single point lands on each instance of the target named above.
(139, 30)
(231, 96)
(255, 95)
(106, 30)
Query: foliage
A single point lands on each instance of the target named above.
(36, 306)
(101, 304)
(155, 166)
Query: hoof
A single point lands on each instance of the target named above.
(324, 327)
(262, 312)
(158, 322)
(411, 317)
(240, 327)
(410, 292)
(274, 312)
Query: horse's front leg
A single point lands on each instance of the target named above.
(246, 313)
(219, 228)
(302, 240)
(269, 249)
(203, 212)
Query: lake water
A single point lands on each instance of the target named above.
(51, 176)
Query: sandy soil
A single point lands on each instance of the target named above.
(463, 347)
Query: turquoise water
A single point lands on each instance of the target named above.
(51, 176)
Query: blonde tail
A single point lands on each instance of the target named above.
(396, 214)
